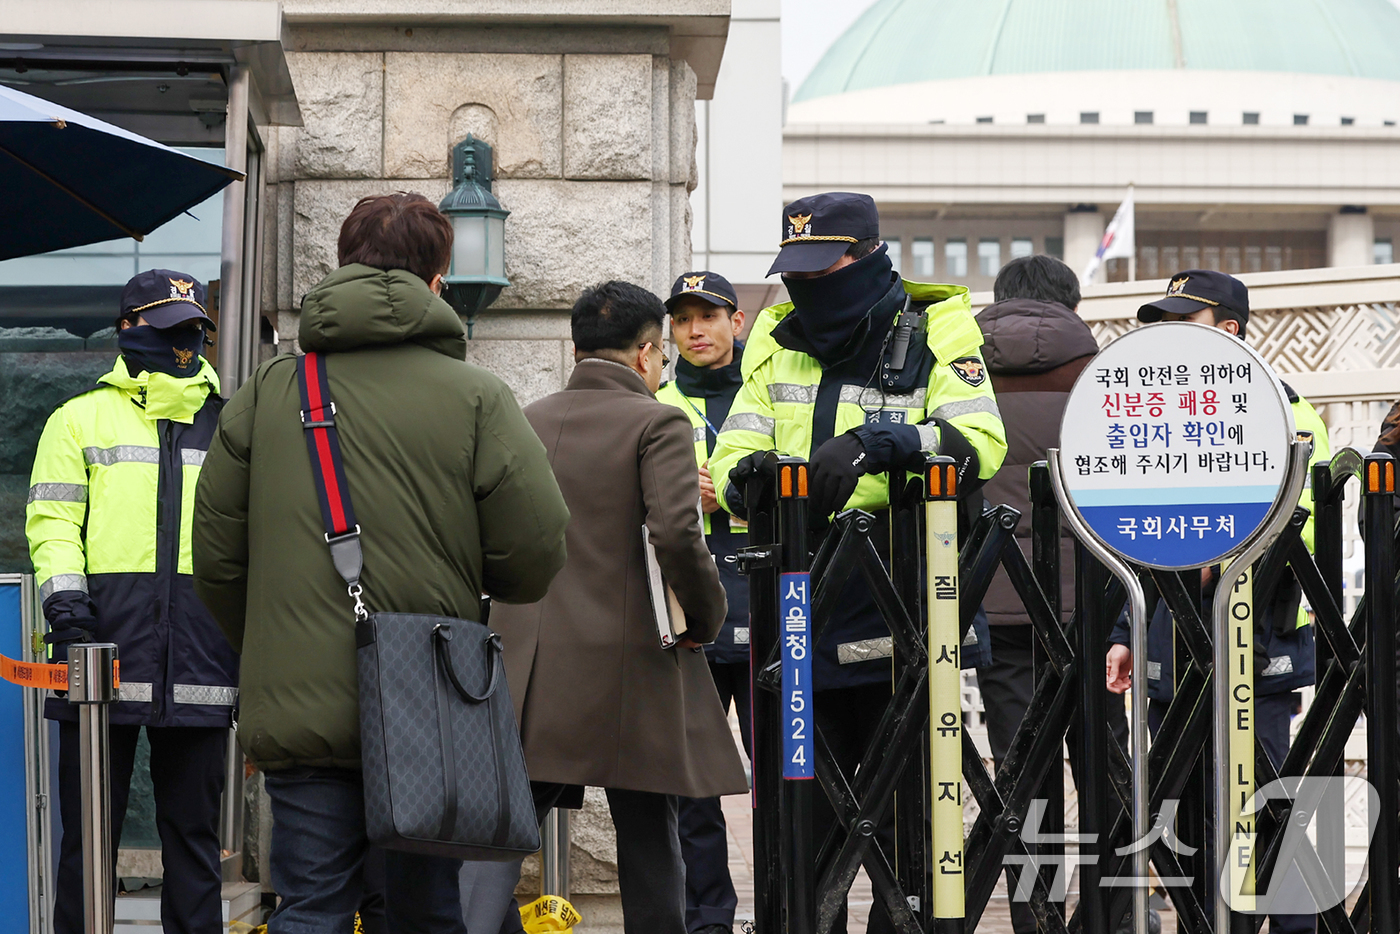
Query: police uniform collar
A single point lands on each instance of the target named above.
(703, 382)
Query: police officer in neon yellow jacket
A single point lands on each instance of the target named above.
(705, 325)
(860, 373)
(1284, 648)
(111, 500)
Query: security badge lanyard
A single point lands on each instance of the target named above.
(708, 424)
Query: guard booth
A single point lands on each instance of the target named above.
(1148, 507)
(209, 82)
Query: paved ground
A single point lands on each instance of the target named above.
(738, 816)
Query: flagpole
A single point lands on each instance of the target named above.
(1132, 255)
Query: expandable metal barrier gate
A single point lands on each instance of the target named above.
(937, 881)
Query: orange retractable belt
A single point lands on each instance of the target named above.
(42, 675)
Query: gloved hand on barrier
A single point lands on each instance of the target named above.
(835, 470)
(739, 479)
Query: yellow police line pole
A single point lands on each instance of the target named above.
(1239, 779)
(944, 693)
(1233, 740)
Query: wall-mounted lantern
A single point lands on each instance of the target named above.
(478, 271)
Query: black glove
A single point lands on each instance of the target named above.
(65, 635)
(739, 482)
(836, 468)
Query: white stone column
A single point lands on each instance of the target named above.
(1351, 237)
(1083, 231)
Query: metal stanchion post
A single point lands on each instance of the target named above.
(799, 723)
(1192, 817)
(758, 562)
(944, 694)
(1093, 563)
(1238, 779)
(1234, 757)
(1378, 483)
(554, 854)
(1045, 562)
(90, 686)
(1091, 577)
(913, 829)
(1328, 556)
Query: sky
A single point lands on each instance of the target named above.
(809, 28)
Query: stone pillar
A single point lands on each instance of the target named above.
(1351, 235)
(593, 126)
(594, 158)
(1084, 227)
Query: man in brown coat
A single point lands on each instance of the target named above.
(600, 701)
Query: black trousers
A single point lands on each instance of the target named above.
(1006, 686)
(709, 891)
(187, 771)
(650, 873)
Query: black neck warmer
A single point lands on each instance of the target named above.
(704, 383)
(174, 351)
(832, 313)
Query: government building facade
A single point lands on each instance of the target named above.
(992, 130)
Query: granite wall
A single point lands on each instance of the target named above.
(594, 138)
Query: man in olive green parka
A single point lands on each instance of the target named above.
(455, 498)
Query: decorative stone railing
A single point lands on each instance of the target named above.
(1330, 333)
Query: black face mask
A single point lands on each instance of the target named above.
(174, 351)
(833, 308)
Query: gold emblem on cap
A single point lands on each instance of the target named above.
(693, 283)
(181, 288)
(799, 223)
(1177, 289)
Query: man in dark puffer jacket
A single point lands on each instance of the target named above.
(1035, 347)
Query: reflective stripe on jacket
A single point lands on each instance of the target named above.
(109, 516)
(776, 408)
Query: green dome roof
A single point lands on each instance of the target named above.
(903, 41)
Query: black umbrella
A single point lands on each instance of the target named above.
(67, 179)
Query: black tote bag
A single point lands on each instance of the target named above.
(444, 773)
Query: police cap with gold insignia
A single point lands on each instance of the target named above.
(706, 285)
(165, 298)
(1190, 291)
(819, 228)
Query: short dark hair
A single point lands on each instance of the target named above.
(615, 315)
(398, 231)
(862, 248)
(1040, 277)
(1221, 313)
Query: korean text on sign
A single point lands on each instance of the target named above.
(796, 640)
